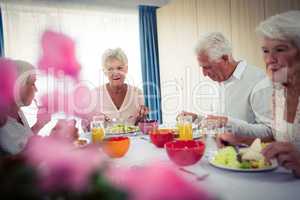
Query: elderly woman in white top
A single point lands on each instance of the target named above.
(280, 41)
(116, 99)
(15, 131)
(281, 50)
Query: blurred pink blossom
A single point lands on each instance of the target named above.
(60, 165)
(78, 102)
(156, 182)
(65, 130)
(59, 55)
(8, 77)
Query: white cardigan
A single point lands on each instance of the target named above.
(283, 130)
(134, 98)
(14, 135)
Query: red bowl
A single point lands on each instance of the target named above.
(148, 125)
(159, 138)
(185, 152)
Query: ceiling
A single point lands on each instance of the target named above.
(101, 3)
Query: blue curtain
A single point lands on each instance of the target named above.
(150, 60)
(1, 36)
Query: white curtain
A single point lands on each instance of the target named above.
(94, 29)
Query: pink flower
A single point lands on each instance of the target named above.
(8, 77)
(156, 182)
(77, 102)
(60, 165)
(59, 55)
(65, 130)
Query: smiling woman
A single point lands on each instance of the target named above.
(117, 99)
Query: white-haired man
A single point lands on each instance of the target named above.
(242, 108)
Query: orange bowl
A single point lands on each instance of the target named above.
(116, 147)
(185, 152)
(160, 137)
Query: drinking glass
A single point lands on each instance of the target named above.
(210, 134)
(97, 129)
(185, 129)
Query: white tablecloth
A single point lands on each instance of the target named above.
(278, 184)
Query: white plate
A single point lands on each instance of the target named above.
(273, 166)
(128, 134)
(136, 129)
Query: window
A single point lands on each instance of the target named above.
(94, 29)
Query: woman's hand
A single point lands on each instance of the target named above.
(142, 112)
(286, 154)
(43, 117)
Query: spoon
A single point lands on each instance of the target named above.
(198, 178)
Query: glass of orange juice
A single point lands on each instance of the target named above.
(97, 129)
(185, 129)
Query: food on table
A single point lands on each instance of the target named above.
(81, 142)
(228, 157)
(122, 128)
(246, 158)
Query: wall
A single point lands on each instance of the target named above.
(179, 25)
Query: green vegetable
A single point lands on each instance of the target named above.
(245, 164)
(227, 157)
(121, 128)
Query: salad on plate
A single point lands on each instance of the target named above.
(122, 129)
(244, 159)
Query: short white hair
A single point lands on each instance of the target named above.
(214, 44)
(113, 54)
(284, 26)
(24, 71)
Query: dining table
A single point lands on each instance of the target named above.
(278, 184)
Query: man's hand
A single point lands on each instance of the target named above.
(225, 139)
(214, 121)
(184, 113)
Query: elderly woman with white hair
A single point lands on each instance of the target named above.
(280, 43)
(119, 100)
(281, 50)
(15, 132)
